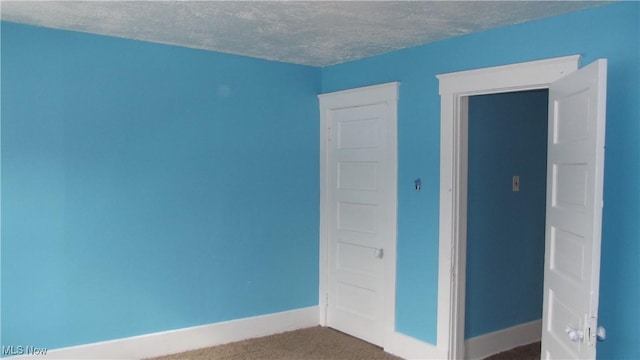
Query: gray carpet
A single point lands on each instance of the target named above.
(316, 343)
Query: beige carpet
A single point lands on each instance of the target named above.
(526, 352)
(316, 343)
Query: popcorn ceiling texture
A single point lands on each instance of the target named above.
(317, 33)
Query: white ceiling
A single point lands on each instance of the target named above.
(317, 33)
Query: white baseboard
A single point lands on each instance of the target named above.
(175, 341)
(407, 347)
(482, 346)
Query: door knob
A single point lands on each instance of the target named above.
(379, 253)
(574, 335)
(601, 333)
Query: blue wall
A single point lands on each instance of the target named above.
(612, 32)
(505, 229)
(149, 187)
(140, 179)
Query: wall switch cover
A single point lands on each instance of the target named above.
(516, 183)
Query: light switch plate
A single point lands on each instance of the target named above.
(516, 183)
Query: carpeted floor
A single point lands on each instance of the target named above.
(316, 343)
(526, 352)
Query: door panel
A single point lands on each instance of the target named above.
(357, 175)
(361, 223)
(574, 213)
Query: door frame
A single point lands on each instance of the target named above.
(368, 95)
(455, 89)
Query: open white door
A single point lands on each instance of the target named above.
(575, 168)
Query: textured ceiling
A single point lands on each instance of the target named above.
(317, 33)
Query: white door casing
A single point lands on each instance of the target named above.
(358, 169)
(455, 88)
(575, 173)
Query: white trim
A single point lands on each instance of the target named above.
(180, 340)
(407, 347)
(454, 90)
(482, 346)
(507, 78)
(383, 93)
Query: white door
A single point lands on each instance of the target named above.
(575, 168)
(361, 210)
